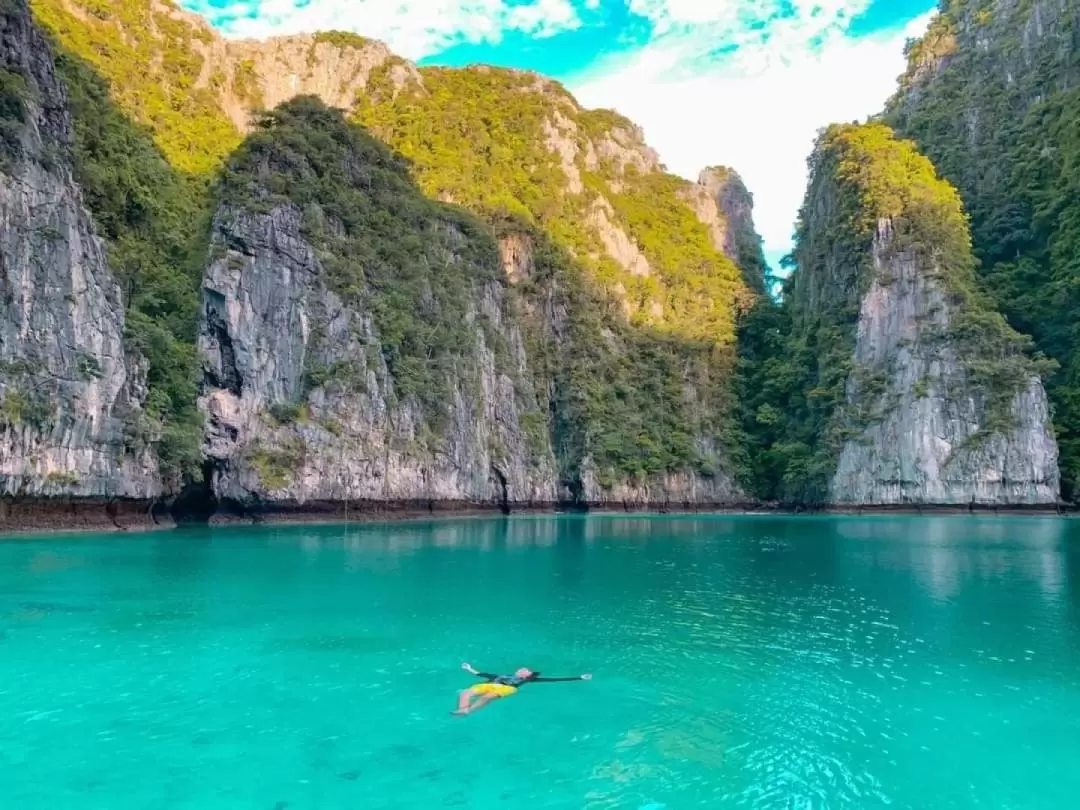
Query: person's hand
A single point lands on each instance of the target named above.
(467, 667)
(586, 677)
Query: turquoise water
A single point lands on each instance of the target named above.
(784, 663)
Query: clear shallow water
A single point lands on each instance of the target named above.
(782, 663)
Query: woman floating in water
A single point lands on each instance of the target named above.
(499, 686)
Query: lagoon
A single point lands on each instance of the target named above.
(747, 662)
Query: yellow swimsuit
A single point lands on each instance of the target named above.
(497, 689)
(506, 685)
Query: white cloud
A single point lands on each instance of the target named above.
(412, 28)
(757, 108)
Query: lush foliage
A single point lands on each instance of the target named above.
(149, 59)
(152, 219)
(990, 97)
(412, 262)
(13, 90)
(794, 401)
(618, 393)
(479, 137)
(341, 39)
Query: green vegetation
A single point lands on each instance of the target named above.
(275, 467)
(990, 97)
(246, 84)
(478, 137)
(698, 287)
(770, 385)
(287, 413)
(341, 39)
(475, 137)
(153, 221)
(619, 392)
(794, 396)
(148, 58)
(62, 479)
(88, 366)
(32, 407)
(13, 93)
(411, 262)
(600, 122)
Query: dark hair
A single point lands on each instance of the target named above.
(535, 674)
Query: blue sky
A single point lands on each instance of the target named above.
(745, 83)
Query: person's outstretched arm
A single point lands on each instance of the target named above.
(485, 675)
(585, 677)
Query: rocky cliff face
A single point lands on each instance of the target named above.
(269, 319)
(722, 201)
(646, 291)
(936, 400)
(990, 95)
(559, 328)
(589, 366)
(312, 401)
(70, 393)
(255, 74)
(925, 438)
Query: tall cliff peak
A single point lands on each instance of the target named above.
(169, 69)
(732, 226)
(923, 394)
(357, 336)
(364, 343)
(586, 175)
(990, 95)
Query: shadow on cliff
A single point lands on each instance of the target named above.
(626, 402)
(620, 404)
(615, 393)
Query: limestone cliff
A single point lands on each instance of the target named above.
(365, 344)
(926, 395)
(926, 437)
(639, 372)
(722, 201)
(312, 391)
(611, 315)
(277, 434)
(71, 424)
(991, 95)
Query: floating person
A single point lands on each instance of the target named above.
(500, 686)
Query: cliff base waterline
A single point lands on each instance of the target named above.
(82, 514)
(41, 515)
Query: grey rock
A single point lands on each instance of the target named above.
(926, 442)
(617, 243)
(263, 308)
(69, 392)
(267, 315)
